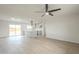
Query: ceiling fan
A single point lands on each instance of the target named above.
(49, 12)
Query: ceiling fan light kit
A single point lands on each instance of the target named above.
(47, 13)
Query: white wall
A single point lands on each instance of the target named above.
(63, 27)
(3, 28)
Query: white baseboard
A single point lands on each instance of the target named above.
(54, 36)
(3, 36)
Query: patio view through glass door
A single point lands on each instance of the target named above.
(14, 30)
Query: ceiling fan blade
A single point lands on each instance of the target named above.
(42, 15)
(46, 7)
(54, 10)
(51, 14)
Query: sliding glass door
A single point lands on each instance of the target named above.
(14, 30)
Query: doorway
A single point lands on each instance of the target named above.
(14, 30)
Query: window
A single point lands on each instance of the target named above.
(29, 27)
(14, 30)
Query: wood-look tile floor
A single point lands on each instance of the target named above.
(23, 45)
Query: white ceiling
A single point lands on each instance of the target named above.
(28, 11)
